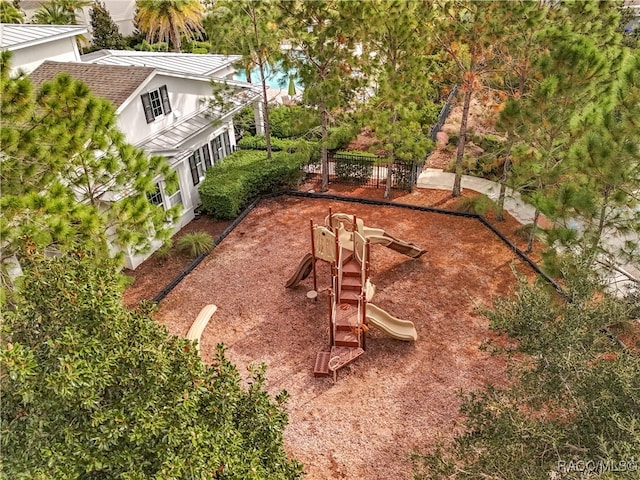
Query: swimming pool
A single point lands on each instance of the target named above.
(275, 78)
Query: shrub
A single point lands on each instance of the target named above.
(354, 167)
(340, 137)
(92, 389)
(292, 122)
(232, 184)
(479, 204)
(195, 244)
(164, 252)
(489, 143)
(245, 121)
(259, 142)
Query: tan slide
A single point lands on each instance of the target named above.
(392, 326)
(304, 269)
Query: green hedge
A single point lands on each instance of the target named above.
(292, 121)
(249, 142)
(231, 185)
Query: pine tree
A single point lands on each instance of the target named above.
(473, 34)
(104, 31)
(68, 178)
(323, 37)
(247, 28)
(572, 74)
(401, 111)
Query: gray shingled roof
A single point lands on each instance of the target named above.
(14, 36)
(184, 63)
(113, 83)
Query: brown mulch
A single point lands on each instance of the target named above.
(156, 272)
(398, 397)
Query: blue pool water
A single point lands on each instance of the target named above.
(275, 78)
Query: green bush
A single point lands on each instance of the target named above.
(489, 143)
(195, 244)
(231, 185)
(354, 167)
(292, 121)
(93, 389)
(340, 137)
(479, 204)
(250, 142)
(245, 121)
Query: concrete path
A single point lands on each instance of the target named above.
(439, 180)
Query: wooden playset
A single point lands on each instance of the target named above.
(345, 243)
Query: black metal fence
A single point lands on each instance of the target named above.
(368, 170)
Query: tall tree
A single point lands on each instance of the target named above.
(402, 109)
(472, 33)
(59, 12)
(573, 74)
(9, 13)
(247, 28)
(68, 178)
(604, 194)
(91, 389)
(323, 41)
(104, 31)
(168, 20)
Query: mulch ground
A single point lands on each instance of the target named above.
(398, 397)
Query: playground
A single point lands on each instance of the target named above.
(397, 396)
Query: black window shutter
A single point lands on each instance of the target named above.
(148, 111)
(227, 143)
(194, 170)
(166, 105)
(207, 157)
(214, 150)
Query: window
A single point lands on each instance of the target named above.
(216, 147)
(199, 163)
(158, 197)
(156, 103)
(155, 197)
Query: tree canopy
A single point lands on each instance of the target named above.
(68, 177)
(91, 389)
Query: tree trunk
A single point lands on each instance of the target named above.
(462, 138)
(325, 158)
(503, 184)
(387, 187)
(265, 109)
(532, 234)
(265, 98)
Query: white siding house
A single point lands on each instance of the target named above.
(30, 45)
(164, 113)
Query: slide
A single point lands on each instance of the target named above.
(304, 269)
(392, 326)
(410, 249)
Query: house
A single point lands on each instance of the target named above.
(30, 45)
(122, 13)
(164, 112)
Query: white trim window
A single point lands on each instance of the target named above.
(221, 146)
(161, 198)
(156, 103)
(199, 163)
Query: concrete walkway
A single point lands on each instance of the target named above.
(439, 180)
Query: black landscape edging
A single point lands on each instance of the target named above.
(171, 285)
(366, 201)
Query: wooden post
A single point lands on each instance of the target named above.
(331, 301)
(313, 259)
